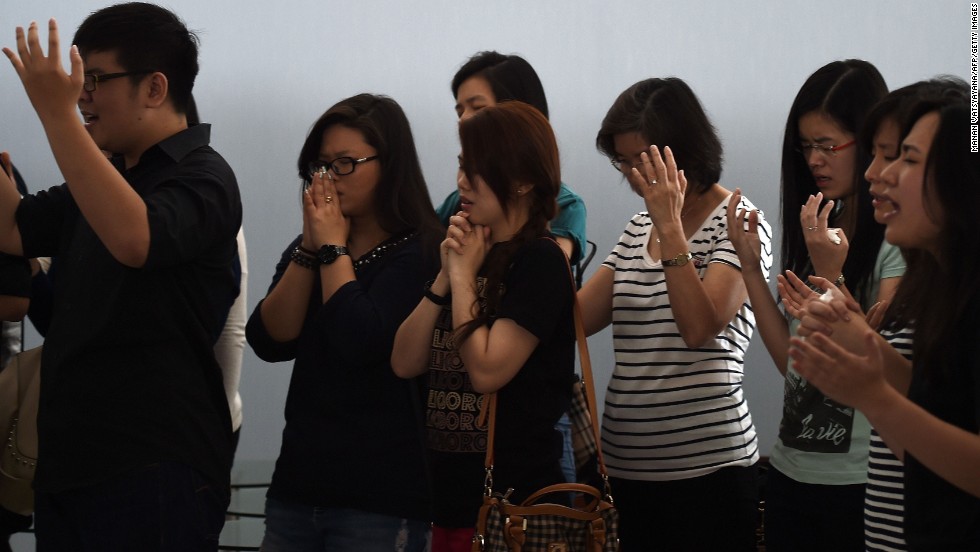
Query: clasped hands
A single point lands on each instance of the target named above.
(465, 248)
(323, 221)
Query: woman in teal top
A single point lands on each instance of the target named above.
(489, 78)
(815, 491)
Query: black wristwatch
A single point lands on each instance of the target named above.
(329, 253)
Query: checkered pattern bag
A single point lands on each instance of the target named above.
(536, 525)
(583, 439)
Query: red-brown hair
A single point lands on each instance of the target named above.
(507, 145)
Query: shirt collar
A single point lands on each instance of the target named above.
(186, 141)
(176, 147)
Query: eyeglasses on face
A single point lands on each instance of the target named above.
(340, 166)
(622, 165)
(92, 80)
(826, 151)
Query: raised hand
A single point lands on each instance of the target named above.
(827, 246)
(53, 92)
(661, 185)
(743, 232)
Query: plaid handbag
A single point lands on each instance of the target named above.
(536, 525)
(583, 438)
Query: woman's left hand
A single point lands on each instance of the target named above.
(797, 296)
(661, 185)
(827, 246)
(467, 246)
(322, 217)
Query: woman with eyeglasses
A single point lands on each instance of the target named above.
(932, 423)
(497, 318)
(815, 489)
(351, 474)
(677, 434)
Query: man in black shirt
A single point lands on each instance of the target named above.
(134, 428)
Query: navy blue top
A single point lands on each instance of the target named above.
(353, 435)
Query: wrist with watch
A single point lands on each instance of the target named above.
(330, 253)
(326, 255)
(680, 260)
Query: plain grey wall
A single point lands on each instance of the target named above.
(269, 69)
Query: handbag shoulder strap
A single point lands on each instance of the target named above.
(489, 408)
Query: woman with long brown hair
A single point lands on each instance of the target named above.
(497, 318)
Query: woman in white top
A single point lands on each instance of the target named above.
(676, 433)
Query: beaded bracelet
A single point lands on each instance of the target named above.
(303, 259)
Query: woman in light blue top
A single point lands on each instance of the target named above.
(815, 491)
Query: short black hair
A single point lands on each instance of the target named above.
(666, 112)
(145, 37)
(510, 77)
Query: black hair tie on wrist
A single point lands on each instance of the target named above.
(441, 300)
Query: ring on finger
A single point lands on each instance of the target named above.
(328, 199)
(811, 228)
(653, 181)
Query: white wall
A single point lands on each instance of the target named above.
(270, 68)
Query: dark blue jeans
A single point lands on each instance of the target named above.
(166, 507)
(291, 527)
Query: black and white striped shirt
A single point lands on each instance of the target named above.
(884, 498)
(673, 412)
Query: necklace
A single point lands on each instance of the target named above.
(380, 250)
(684, 211)
(688, 208)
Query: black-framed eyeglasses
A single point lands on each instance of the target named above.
(92, 80)
(620, 164)
(826, 151)
(340, 166)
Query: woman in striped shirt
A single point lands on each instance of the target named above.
(676, 432)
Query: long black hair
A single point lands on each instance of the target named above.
(845, 91)
(950, 194)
